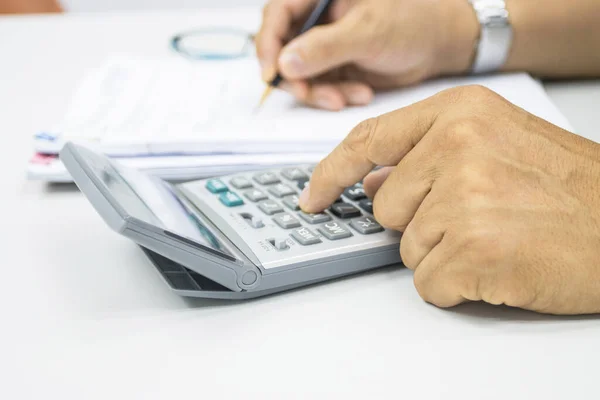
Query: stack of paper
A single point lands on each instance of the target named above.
(183, 120)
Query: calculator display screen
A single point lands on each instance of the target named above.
(151, 200)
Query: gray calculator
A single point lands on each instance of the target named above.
(237, 236)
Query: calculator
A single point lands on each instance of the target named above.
(234, 236)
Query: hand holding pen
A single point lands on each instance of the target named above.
(363, 46)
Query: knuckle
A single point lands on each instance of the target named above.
(463, 132)
(481, 241)
(471, 179)
(364, 131)
(477, 92)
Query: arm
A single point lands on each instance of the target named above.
(555, 38)
(29, 6)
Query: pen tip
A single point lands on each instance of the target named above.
(264, 95)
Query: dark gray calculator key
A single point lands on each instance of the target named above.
(334, 230)
(255, 195)
(270, 207)
(367, 205)
(302, 183)
(281, 190)
(315, 218)
(266, 178)
(355, 193)
(293, 174)
(240, 183)
(345, 210)
(305, 236)
(292, 202)
(366, 225)
(287, 221)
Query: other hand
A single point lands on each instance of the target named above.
(367, 45)
(495, 204)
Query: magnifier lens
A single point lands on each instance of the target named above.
(214, 44)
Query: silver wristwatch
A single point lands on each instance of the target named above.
(496, 35)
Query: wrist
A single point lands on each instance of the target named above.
(459, 38)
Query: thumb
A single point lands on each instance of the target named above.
(322, 48)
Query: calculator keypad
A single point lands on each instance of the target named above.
(272, 204)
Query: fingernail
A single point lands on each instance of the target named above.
(359, 97)
(304, 196)
(291, 62)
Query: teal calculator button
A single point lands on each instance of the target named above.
(216, 186)
(231, 199)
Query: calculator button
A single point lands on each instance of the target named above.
(240, 183)
(355, 193)
(287, 221)
(216, 186)
(270, 207)
(345, 210)
(256, 195)
(315, 218)
(367, 205)
(231, 199)
(334, 231)
(281, 190)
(292, 202)
(302, 183)
(279, 244)
(305, 236)
(266, 178)
(293, 174)
(366, 225)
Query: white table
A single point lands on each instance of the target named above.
(84, 315)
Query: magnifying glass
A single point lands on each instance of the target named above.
(214, 44)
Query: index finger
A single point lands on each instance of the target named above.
(382, 140)
(278, 19)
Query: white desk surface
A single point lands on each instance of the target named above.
(84, 315)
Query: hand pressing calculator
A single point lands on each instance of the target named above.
(238, 236)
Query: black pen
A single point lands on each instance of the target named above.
(314, 19)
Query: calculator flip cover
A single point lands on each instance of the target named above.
(234, 237)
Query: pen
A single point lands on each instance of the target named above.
(312, 20)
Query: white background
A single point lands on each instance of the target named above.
(110, 5)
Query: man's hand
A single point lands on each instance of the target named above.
(494, 203)
(367, 45)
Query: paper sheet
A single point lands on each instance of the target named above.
(141, 107)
